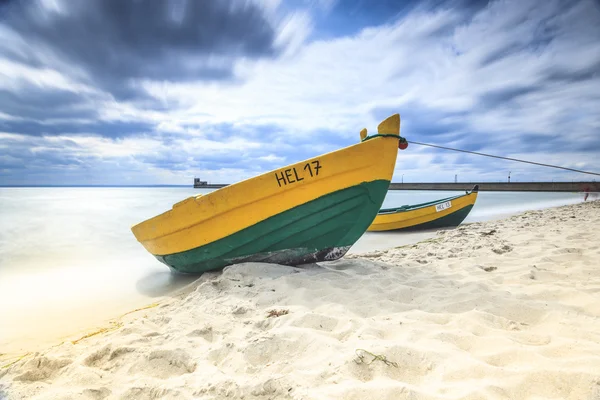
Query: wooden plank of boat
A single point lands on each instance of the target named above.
(441, 213)
(310, 211)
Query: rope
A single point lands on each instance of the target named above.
(504, 158)
(382, 135)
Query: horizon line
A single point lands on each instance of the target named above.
(220, 184)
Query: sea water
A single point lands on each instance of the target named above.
(68, 259)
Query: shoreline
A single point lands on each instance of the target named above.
(504, 308)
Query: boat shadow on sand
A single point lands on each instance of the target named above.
(164, 283)
(171, 283)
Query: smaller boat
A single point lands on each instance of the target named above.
(450, 211)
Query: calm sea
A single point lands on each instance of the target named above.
(68, 258)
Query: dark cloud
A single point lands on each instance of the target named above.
(116, 41)
(520, 142)
(516, 142)
(502, 97)
(574, 75)
(273, 139)
(110, 129)
(542, 143)
(501, 53)
(10, 162)
(263, 132)
(474, 6)
(39, 154)
(589, 144)
(4, 4)
(175, 163)
(540, 35)
(454, 130)
(34, 102)
(419, 121)
(206, 161)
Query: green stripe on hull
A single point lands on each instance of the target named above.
(453, 219)
(322, 229)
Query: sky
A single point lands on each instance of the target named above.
(150, 92)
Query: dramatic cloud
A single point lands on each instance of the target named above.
(117, 42)
(158, 91)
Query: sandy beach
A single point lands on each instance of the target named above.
(505, 309)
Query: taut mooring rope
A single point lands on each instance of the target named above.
(505, 158)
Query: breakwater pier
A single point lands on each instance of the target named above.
(573, 186)
(502, 186)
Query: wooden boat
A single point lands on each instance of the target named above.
(441, 213)
(309, 211)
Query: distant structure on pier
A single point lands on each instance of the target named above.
(198, 183)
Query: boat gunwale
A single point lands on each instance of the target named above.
(397, 210)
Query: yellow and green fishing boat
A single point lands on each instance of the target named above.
(310, 211)
(441, 213)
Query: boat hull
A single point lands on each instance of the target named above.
(438, 214)
(320, 230)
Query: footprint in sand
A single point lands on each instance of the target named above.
(206, 333)
(96, 357)
(316, 321)
(165, 363)
(278, 349)
(151, 393)
(223, 389)
(107, 358)
(162, 321)
(220, 354)
(120, 351)
(531, 339)
(42, 368)
(97, 394)
(502, 250)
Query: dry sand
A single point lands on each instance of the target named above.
(498, 310)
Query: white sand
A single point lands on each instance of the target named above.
(498, 310)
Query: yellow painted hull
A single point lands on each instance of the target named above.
(205, 219)
(445, 212)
